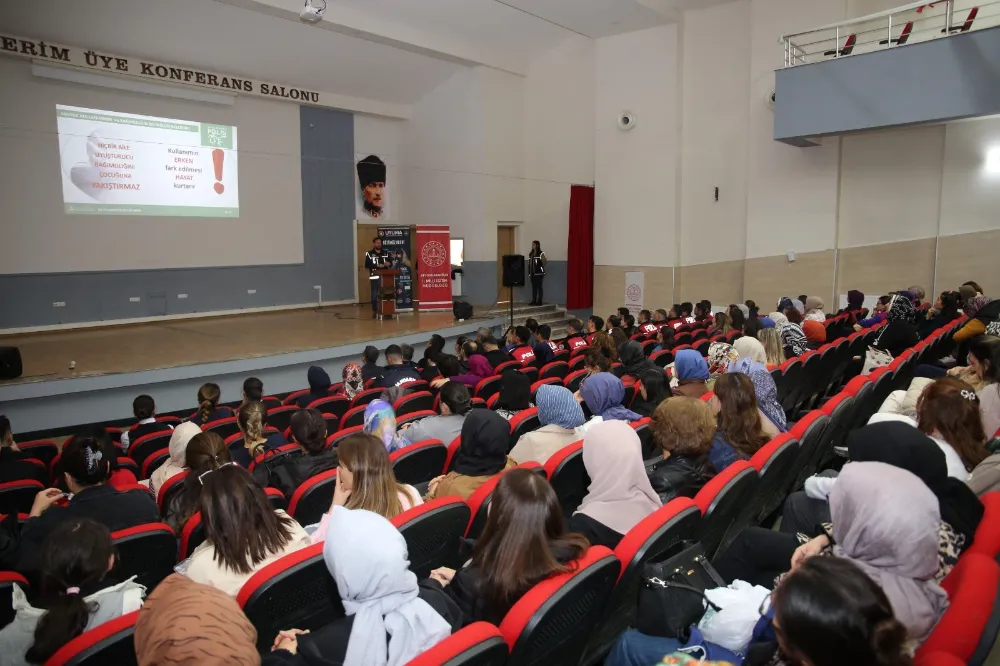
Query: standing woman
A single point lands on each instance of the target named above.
(536, 269)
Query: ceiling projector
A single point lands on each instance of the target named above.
(312, 13)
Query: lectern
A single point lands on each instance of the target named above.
(386, 292)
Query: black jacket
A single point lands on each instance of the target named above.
(371, 371)
(597, 533)
(397, 375)
(288, 472)
(679, 476)
(497, 356)
(306, 399)
(897, 337)
(117, 510)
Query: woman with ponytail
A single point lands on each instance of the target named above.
(208, 405)
(77, 594)
(252, 419)
(85, 469)
(205, 452)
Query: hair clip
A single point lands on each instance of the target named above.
(72, 590)
(969, 395)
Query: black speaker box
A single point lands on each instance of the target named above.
(513, 270)
(10, 363)
(461, 310)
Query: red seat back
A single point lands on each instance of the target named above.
(487, 387)
(148, 552)
(478, 644)
(433, 533)
(354, 418)
(987, 539)
(524, 421)
(107, 643)
(414, 402)
(969, 626)
(568, 477)
(19, 496)
(366, 396)
(721, 501)
(556, 369)
(342, 434)
(334, 404)
(419, 462)
(313, 498)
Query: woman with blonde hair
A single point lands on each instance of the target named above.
(252, 420)
(774, 349)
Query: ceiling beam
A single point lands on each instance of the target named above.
(347, 21)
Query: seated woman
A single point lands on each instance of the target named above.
(981, 311)
(720, 356)
(252, 419)
(604, 342)
(683, 428)
(523, 543)
(595, 361)
(741, 423)
(243, 534)
(944, 311)
(365, 481)
(603, 394)
(664, 338)
(774, 348)
(479, 369)
(208, 405)
(984, 359)
(619, 495)
(319, 386)
(515, 396)
(766, 392)
(205, 452)
(481, 455)
(815, 333)
(380, 421)
(948, 411)
(560, 415)
(353, 382)
(690, 374)
(179, 440)
(738, 316)
(814, 309)
(119, 478)
(390, 617)
(721, 324)
(85, 471)
(750, 347)
(789, 325)
(900, 333)
(826, 612)
(455, 405)
(77, 593)
(907, 514)
(634, 361)
(653, 389)
(288, 472)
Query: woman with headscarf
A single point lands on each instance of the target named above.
(814, 309)
(981, 311)
(178, 449)
(319, 386)
(515, 396)
(390, 618)
(481, 455)
(353, 381)
(559, 414)
(634, 361)
(792, 336)
(720, 356)
(690, 374)
(766, 391)
(751, 348)
(603, 394)
(815, 333)
(855, 301)
(619, 495)
(479, 369)
(900, 333)
(380, 420)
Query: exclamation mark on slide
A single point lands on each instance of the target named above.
(217, 157)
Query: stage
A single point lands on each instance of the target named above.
(169, 359)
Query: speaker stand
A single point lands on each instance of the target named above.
(510, 305)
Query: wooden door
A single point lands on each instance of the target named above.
(505, 245)
(366, 232)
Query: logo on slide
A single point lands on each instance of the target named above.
(633, 292)
(433, 254)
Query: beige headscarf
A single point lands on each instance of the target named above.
(184, 622)
(178, 448)
(751, 348)
(619, 495)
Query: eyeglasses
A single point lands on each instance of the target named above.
(201, 477)
(765, 606)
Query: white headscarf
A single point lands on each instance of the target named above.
(751, 348)
(367, 558)
(183, 434)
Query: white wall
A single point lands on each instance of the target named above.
(636, 170)
(970, 197)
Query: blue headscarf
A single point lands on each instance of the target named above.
(689, 364)
(556, 405)
(765, 390)
(766, 322)
(380, 420)
(603, 393)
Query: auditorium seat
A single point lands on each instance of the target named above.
(413, 402)
(8, 579)
(453, 447)
(172, 486)
(568, 477)
(271, 402)
(148, 444)
(223, 427)
(557, 381)
(108, 643)
(551, 623)
(488, 387)
(42, 449)
(414, 417)
(479, 506)
(524, 421)
(774, 462)
(286, 451)
(354, 417)
(577, 362)
(153, 462)
(840, 410)
(647, 347)
(281, 417)
(333, 440)
(419, 462)
(433, 533)
(789, 382)
(292, 398)
(334, 404)
(19, 496)
(366, 396)
(572, 380)
(721, 501)
(276, 499)
(295, 591)
(645, 433)
(313, 498)
(148, 552)
(557, 369)
(810, 431)
(662, 358)
(530, 372)
(478, 644)
(192, 535)
(987, 539)
(507, 365)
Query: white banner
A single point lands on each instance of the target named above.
(633, 291)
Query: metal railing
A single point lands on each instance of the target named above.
(908, 24)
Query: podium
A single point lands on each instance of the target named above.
(386, 292)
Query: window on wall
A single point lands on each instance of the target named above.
(457, 251)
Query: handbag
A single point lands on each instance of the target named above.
(875, 358)
(672, 594)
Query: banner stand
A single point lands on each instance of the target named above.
(433, 257)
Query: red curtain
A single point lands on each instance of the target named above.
(580, 253)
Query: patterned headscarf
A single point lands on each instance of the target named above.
(556, 405)
(354, 383)
(380, 420)
(765, 389)
(793, 336)
(720, 356)
(900, 309)
(604, 394)
(780, 320)
(975, 304)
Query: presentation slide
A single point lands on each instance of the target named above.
(124, 164)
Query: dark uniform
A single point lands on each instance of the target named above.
(536, 269)
(375, 259)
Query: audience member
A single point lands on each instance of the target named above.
(253, 390)
(522, 351)
(793, 338)
(982, 311)
(407, 351)
(773, 347)
(984, 359)
(691, 374)
(664, 335)
(741, 423)
(10, 453)
(208, 405)
(390, 618)
(353, 381)
(594, 325)
(618, 337)
(319, 386)
(77, 593)
(532, 325)
(252, 421)
(721, 324)
(370, 368)
(243, 534)
(595, 360)
(738, 318)
(900, 333)
(428, 368)
(515, 396)
(493, 353)
(878, 314)
(574, 335)
(455, 405)
(288, 472)
(619, 494)
(766, 392)
(559, 414)
(815, 333)
(948, 411)
(752, 327)
(634, 362)
(944, 311)
(750, 347)
(206, 452)
(449, 367)
(855, 301)
(479, 369)
(720, 356)
(144, 410)
(543, 349)
(380, 421)
(752, 310)
(814, 309)
(603, 394)
(119, 477)
(86, 471)
(606, 344)
(653, 388)
(481, 455)
(628, 325)
(365, 481)
(702, 310)
(523, 543)
(396, 372)
(683, 428)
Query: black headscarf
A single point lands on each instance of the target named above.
(634, 360)
(902, 445)
(485, 439)
(516, 392)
